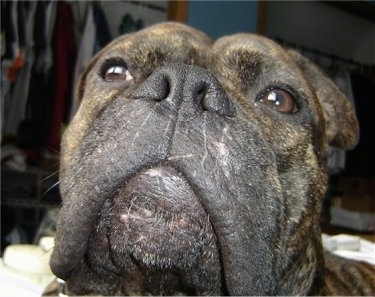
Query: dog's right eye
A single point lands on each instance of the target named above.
(116, 72)
(279, 100)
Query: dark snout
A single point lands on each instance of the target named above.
(180, 117)
(143, 125)
(199, 87)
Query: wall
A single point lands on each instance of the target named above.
(215, 18)
(116, 10)
(218, 18)
(319, 26)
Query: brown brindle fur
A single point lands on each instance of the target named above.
(257, 176)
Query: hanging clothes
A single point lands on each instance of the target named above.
(103, 35)
(85, 53)
(33, 131)
(39, 65)
(65, 51)
(15, 113)
(9, 29)
(95, 36)
(8, 44)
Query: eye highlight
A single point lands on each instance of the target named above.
(115, 72)
(279, 100)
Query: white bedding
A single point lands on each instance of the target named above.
(15, 283)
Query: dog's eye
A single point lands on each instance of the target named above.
(116, 73)
(279, 100)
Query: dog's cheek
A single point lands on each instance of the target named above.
(96, 95)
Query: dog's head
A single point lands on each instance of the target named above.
(196, 167)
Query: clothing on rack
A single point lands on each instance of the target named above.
(39, 66)
(34, 129)
(15, 110)
(85, 53)
(103, 36)
(95, 36)
(65, 50)
(319, 57)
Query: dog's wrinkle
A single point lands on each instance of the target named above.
(225, 195)
(93, 178)
(223, 152)
(141, 127)
(204, 143)
(167, 129)
(171, 158)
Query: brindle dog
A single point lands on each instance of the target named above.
(198, 167)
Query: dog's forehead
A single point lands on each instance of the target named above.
(177, 43)
(246, 41)
(163, 43)
(254, 62)
(255, 51)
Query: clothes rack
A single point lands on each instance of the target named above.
(355, 65)
(147, 5)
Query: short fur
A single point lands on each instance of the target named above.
(181, 178)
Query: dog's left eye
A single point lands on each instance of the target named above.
(279, 100)
(116, 73)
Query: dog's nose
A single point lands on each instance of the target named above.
(186, 84)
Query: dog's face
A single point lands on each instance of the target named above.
(196, 167)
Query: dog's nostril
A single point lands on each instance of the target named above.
(200, 94)
(165, 90)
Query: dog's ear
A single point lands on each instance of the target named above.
(341, 125)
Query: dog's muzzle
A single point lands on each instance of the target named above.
(154, 228)
(150, 202)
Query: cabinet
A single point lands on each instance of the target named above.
(25, 196)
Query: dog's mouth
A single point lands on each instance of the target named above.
(156, 237)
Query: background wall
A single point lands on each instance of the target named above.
(150, 12)
(218, 18)
(320, 26)
(309, 23)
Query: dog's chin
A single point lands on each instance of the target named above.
(156, 237)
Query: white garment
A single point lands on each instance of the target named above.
(45, 60)
(351, 247)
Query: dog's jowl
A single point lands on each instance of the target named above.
(197, 167)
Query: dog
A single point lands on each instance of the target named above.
(197, 167)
